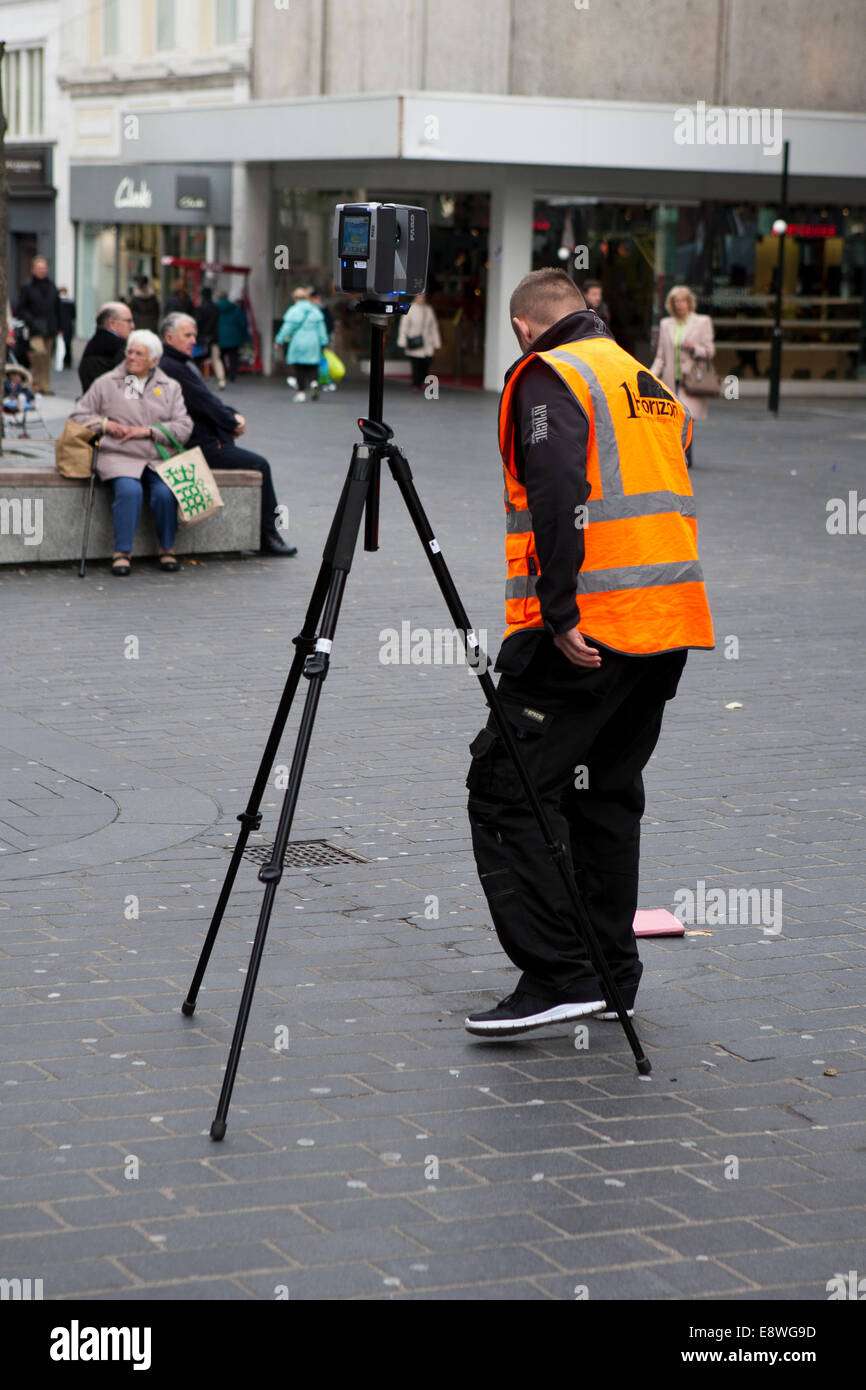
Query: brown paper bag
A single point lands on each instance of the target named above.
(73, 451)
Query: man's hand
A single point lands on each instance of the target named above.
(572, 646)
(240, 426)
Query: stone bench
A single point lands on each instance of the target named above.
(42, 518)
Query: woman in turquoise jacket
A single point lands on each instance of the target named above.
(303, 329)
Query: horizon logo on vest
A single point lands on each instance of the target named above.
(846, 518)
(77, 1343)
(650, 399)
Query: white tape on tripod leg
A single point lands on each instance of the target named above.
(324, 644)
(434, 545)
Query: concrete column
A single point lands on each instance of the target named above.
(510, 253)
(251, 244)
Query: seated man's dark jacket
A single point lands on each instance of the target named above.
(104, 352)
(551, 465)
(213, 422)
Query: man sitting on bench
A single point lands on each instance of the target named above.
(215, 425)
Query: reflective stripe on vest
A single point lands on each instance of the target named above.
(640, 588)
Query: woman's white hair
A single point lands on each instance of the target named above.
(148, 340)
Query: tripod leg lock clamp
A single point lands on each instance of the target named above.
(250, 820)
(320, 659)
(304, 644)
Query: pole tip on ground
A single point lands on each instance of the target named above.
(643, 1066)
(187, 1009)
(217, 1130)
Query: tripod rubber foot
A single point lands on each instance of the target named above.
(187, 1009)
(218, 1130)
(643, 1066)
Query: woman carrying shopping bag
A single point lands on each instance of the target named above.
(130, 402)
(419, 337)
(303, 330)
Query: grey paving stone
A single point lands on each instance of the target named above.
(373, 992)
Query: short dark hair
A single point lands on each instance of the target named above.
(591, 285)
(104, 317)
(546, 296)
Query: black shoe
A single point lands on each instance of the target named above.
(521, 1012)
(273, 544)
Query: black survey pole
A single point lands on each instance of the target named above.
(776, 349)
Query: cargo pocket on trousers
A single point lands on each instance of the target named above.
(492, 775)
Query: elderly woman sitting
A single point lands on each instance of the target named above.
(130, 402)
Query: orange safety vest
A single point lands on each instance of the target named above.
(640, 589)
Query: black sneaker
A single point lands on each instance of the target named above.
(521, 1012)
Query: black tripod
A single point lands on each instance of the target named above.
(360, 497)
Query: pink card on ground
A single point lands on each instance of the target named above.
(657, 921)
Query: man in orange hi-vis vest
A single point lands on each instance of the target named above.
(604, 595)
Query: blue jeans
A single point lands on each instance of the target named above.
(126, 509)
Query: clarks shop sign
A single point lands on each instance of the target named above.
(129, 194)
(152, 193)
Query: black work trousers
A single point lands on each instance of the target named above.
(586, 736)
(230, 456)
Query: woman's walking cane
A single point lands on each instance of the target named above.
(89, 505)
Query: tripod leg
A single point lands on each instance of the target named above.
(250, 818)
(402, 474)
(342, 543)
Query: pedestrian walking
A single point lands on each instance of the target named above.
(131, 401)
(685, 338)
(603, 599)
(207, 317)
(419, 337)
(67, 324)
(594, 295)
(231, 333)
(304, 332)
(39, 307)
(144, 305)
(178, 301)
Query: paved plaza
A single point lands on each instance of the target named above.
(374, 1150)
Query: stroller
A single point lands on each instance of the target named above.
(20, 403)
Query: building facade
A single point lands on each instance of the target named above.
(129, 216)
(34, 119)
(638, 142)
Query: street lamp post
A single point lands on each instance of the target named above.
(780, 227)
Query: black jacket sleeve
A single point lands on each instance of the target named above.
(551, 437)
(201, 403)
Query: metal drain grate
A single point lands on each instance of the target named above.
(306, 854)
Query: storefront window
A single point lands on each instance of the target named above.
(456, 278)
(612, 242)
(735, 277)
(139, 255)
(96, 271)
